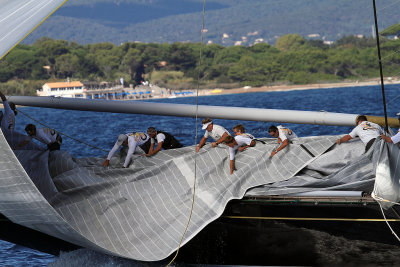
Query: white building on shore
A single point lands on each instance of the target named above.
(62, 89)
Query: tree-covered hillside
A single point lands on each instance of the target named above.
(227, 21)
(292, 60)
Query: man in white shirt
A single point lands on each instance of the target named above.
(45, 135)
(239, 142)
(284, 135)
(392, 139)
(8, 118)
(367, 131)
(218, 133)
(131, 140)
(163, 140)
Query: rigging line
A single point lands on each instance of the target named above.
(393, 100)
(393, 53)
(195, 141)
(388, 224)
(380, 66)
(392, 4)
(80, 141)
(311, 219)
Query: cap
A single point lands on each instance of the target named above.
(121, 139)
(205, 125)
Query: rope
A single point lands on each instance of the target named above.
(195, 141)
(379, 200)
(380, 66)
(77, 140)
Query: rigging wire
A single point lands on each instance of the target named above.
(380, 66)
(77, 140)
(392, 4)
(195, 140)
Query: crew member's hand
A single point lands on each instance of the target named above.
(242, 148)
(197, 148)
(214, 144)
(338, 141)
(273, 153)
(105, 164)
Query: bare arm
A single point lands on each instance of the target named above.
(155, 151)
(387, 138)
(219, 141)
(201, 144)
(282, 146)
(252, 143)
(344, 139)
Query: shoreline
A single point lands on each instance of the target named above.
(278, 88)
(273, 88)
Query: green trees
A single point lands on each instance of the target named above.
(292, 59)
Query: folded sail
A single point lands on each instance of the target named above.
(20, 17)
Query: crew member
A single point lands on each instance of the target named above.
(366, 130)
(285, 136)
(392, 139)
(131, 140)
(218, 133)
(45, 135)
(163, 140)
(239, 142)
(8, 118)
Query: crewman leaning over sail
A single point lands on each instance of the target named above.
(239, 131)
(8, 118)
(284, 134)
(45, 135)
(132, 140)
(393, 139)
(163, 140)
(217, 132)
(239, 142)
(367, 131)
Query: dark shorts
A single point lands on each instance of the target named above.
(369, 144)
(53, 146)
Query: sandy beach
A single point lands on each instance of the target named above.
(248, 89)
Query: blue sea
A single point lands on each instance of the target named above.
(102, 129)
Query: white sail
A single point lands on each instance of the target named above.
(20, 17)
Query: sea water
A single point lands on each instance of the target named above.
(101, 130)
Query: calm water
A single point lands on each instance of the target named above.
(101, 129)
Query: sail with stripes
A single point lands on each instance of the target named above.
(18, 18)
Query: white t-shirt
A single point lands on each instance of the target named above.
(160, 138)
(8, 121)
(286, 133)
(366, 131)
(396, 138)
(134, 140)
(216, 133)
(243, 139)
(45, 135)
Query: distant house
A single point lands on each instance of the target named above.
(62, 89)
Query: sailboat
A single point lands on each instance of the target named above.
(142, 212)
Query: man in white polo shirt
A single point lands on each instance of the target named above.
(284, 135)
(239, 142)
(132, 140)
(218, 133)
(366, 130)
(47, 136)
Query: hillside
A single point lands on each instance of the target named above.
(227, 21)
